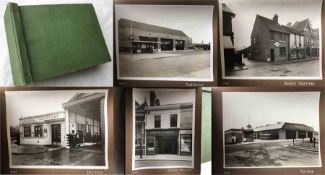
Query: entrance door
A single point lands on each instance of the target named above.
(167, 145)
(56, 134)
(272, 54)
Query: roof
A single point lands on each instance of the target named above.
(170, 106)
(300, 25)
(278, 125)
(149, 27)
(46, 114)
(80, 98)
(286, 125)
(233, 129)
(272, 25)
(292, 30)
(225, 8)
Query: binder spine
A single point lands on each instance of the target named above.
(18, 53)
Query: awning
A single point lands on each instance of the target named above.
(227, 43)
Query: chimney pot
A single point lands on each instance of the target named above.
(276, 18)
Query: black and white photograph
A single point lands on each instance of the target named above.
(163, 128)
(271, 129)
(57, 129)
(271, 39)
(164, 42)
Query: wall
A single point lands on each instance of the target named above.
(46, 139)
(282, 134)
(262, 46)
(164, 116)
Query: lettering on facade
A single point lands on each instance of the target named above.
(42, 118)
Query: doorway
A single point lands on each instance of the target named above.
(56, 134)
(272, 55)
(167, 145)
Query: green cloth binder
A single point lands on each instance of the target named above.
(46, 41)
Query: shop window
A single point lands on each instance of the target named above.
(186, 143)
(38, 131)
(173, 120)
(283, 51)
(27, 131)
(157, 121)
(151, 143)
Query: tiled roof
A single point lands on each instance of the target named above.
(272, 25)
(149, 27)
(300, 25)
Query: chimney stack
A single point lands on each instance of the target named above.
(276, 18)
(152, 98)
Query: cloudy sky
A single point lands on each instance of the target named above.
(194, 21)
(29, 103)
(263, 108)
(287, 10)
(166, 96)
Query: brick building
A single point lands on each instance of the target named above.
(136, 37)
(271, 41)
(164, 129)
(81, 117)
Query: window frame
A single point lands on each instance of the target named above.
(38, 130)
(157, 118)
(173, 117)
(29, 132)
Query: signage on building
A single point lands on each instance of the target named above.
(43, 118)
(164, 132)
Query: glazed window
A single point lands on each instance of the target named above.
(38, 131)
(173, 120)
(283, 51)
(157, 121)
(27, 131)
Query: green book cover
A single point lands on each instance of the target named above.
(46, 41)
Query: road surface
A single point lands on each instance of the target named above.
(269, 154)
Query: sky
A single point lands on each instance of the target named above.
(166, 96)
(287, 10)
(29, 103)
(194, 21)
(263, 108)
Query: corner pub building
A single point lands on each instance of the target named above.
(164, 129)
(81, 117)
(136, 37)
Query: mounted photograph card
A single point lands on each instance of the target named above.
(60, 131)
(268, 130)
(271, 42)
(161, 42)
(163, 131)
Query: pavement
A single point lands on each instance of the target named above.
(32, 149)
(83, 156)
(161, 160)
(303, 68)
(163, 157)
(269, 154)
(179, 64)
